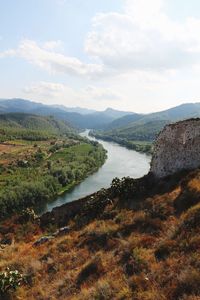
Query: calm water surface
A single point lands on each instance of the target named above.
(120, 162)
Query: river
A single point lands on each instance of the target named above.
(120, 162)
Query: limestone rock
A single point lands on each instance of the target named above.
(177, 148)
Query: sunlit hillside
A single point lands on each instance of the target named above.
(113, 252)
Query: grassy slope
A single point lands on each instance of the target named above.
(149, 252)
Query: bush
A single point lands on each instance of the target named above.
(188, 283)
(9, 281)
(27, 215)
(132, 261)
(94, 269)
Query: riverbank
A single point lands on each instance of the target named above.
(139, 146)
(36, 173)
(121, 162)
(75, 183)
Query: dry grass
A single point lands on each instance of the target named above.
(149, 254)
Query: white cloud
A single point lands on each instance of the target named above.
(45, 89)
(50, 92)
(53, 45)
(143, 37)
(139, 59)
(56, 62)
(97, 93)
(7, 53)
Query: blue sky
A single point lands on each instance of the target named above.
(128, 54)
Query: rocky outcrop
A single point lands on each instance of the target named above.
(177, 148)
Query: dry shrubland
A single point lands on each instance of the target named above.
(144, 245)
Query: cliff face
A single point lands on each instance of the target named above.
(177, 148)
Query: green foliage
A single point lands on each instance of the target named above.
(138, 136)
(10, 280)
(27, 215)
(35, 173)
(26, 194)
(144, 146)
(39, 178)
(31, 127)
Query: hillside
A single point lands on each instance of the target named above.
(123, 121)
(137, 131)
(181, 112)
(138, 137)
(35, 122)
(137, 240)
(80, 118)
(32, 127)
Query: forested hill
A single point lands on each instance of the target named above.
(174, 114)
(34, 122)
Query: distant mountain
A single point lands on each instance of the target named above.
(79, 110)
(115, 114)
(184, 111)
(34, 122)
(136, 127)
(94, 120)
(18, 105)
(123, 121)
(181, 112)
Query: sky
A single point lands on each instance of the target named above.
(136, 55)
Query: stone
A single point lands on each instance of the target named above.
(6, 241)
(43, 240)
(177, 148)
(62, 231)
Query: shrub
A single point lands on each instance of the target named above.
(188, 283)
(103, 291)
(9, 281)
(165, 249)
(94, 269)
(132, 261)
(27, 215)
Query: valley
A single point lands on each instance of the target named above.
(132, 130)
(137, 240)
(38, 164)
(121, 162)
(103, 226)
(99, 150)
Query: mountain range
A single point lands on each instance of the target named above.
(78, 117)
(110, 122)
(140, 127)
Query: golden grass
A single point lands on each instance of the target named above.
(112, 258)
